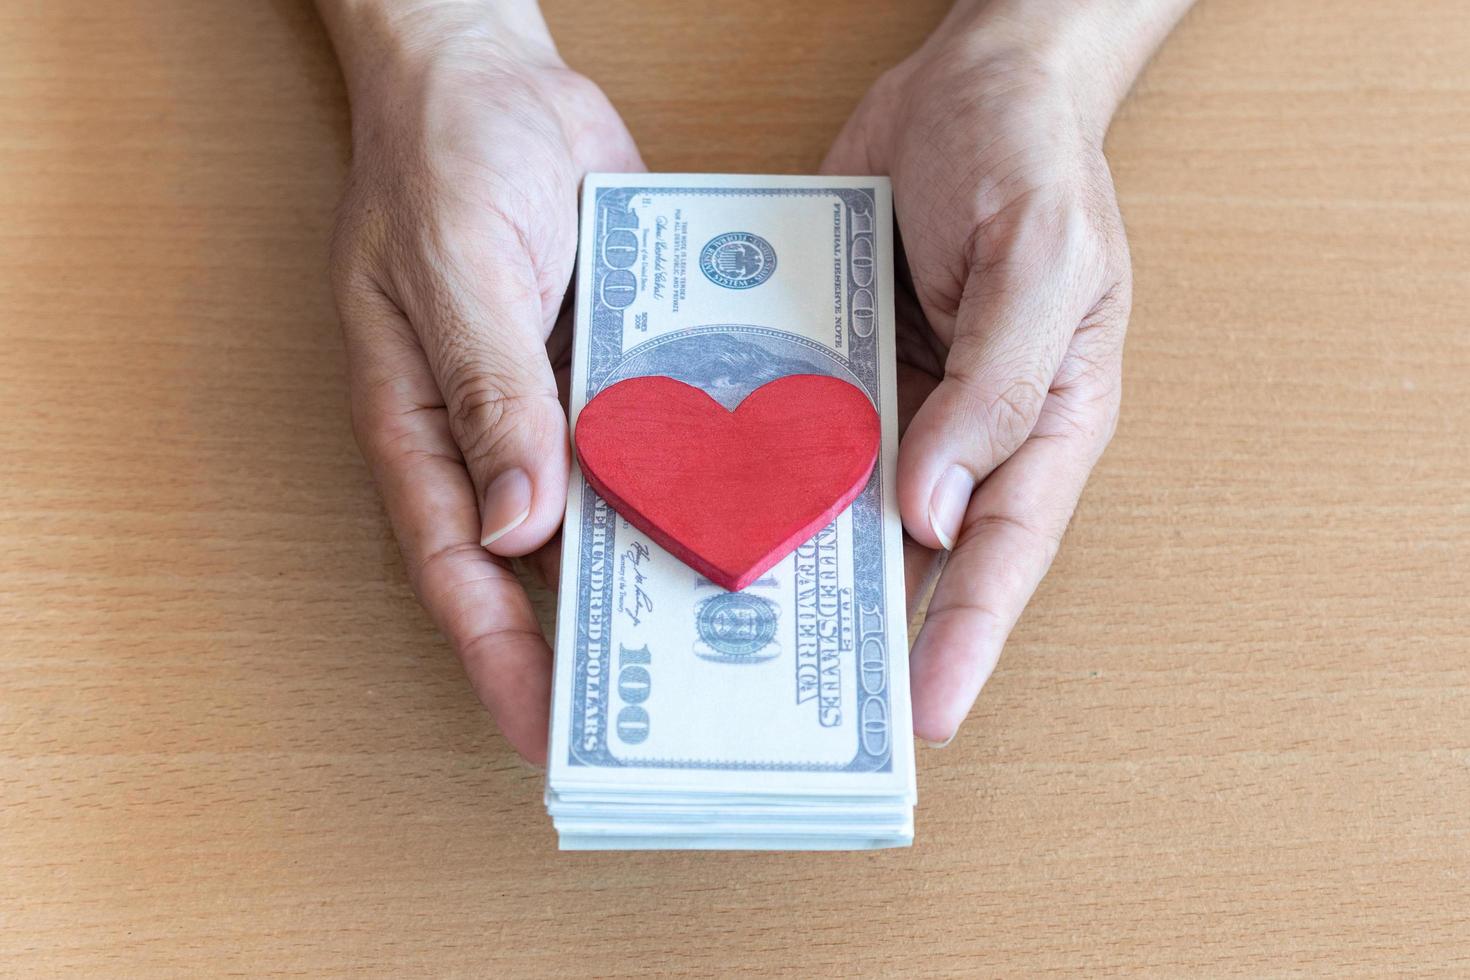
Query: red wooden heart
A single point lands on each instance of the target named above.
(729, 493)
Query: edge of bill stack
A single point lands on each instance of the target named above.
(685, 715)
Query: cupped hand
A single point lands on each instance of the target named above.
(454, 247)
(1012, 313)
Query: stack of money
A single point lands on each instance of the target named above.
(778, 716)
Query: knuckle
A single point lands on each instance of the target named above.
(392, 412)
(489, 643)
(1088, 416)
(1093, 371)
(440, 566)
(452, 583)
(1047, 536)
(384, 438)
(480, 400)
(366, 428)
(371, 416)
(564, 86)
(982, 621)
(1005, 400)
(1111, 311)
(487, 409)
(1012, 410)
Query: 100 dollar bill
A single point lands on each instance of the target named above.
(798, 684)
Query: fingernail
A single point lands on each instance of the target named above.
(947, 506)
(507, 505)
(938, 745)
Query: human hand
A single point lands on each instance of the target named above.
(455, 242)
(1012, 314)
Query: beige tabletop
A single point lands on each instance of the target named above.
(1230, 736)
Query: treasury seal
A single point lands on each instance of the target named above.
(737, 260)
(736, 627)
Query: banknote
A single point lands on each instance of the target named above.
(669, 690)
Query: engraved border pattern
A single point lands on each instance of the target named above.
(605, 352)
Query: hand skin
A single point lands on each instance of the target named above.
(457, 236)
(1011, 324)
(453, 251)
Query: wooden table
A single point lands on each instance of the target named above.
(1231, 735)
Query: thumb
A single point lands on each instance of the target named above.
(484, 344)
(1014, 322)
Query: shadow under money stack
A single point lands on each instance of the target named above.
(714, 689)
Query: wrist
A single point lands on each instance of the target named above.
(383, 44)
(1089, 51)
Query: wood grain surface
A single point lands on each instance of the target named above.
(1231, 736)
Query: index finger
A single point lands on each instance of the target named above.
(403, 427)
(1010, 534)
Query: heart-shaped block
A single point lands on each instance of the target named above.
(729, 493)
